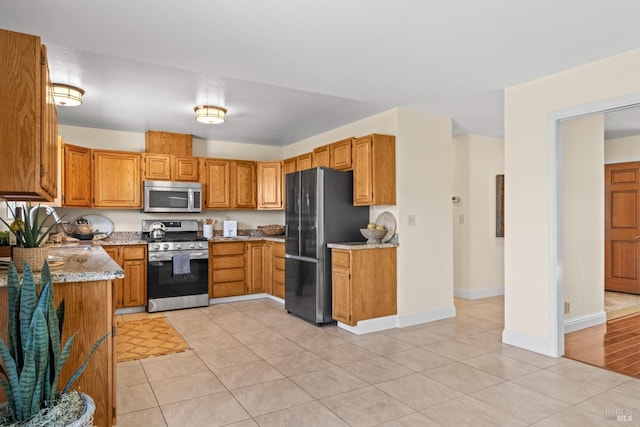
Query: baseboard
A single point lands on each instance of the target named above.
(426, 316)
(399, 321)
(371, 325)
(276, 299)
(478, 293)
(527, 342)
(238, 298)
(586, 321)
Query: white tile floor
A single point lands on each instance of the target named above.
(252, 364)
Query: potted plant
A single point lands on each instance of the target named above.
(34, 357)
(29, 237)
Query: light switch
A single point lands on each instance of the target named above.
(411, 220)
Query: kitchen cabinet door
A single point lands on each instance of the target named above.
(28, 134)
(259, 259)
(320, 157)
(184, 168)
(374, 170)
(134, 264)
(303, 162)
(76, 176)
(116, 179)
(157, 167)
(341, 158)
(270, 185)
(244, 185)
(216, 183)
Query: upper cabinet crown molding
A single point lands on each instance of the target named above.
(29, 127)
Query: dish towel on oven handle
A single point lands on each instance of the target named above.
(181, 264)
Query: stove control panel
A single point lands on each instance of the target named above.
(177, 246)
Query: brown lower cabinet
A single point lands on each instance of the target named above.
(278, 269)
(364, 284)
(227, 269)
(132, 290)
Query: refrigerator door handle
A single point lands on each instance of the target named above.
(301, 258)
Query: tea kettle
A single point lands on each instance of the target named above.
(157, 230)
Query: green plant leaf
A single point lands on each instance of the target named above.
(40, 352)
(28, 301)
(13, 284)
(13, 391)
(63, 358)
(27, 383)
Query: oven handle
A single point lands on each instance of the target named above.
(165, 257)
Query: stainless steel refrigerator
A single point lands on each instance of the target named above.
(319, 210)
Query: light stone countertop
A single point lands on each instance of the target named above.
(351, 246)
(83, 262)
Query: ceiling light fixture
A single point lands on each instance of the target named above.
(67, 95)
(209, 114)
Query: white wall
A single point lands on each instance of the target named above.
(129, 220)
(424, 171)
(620, 150)
(478, 253)
(531, 269)
(583, 219)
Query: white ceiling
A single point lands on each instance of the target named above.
(290, 69)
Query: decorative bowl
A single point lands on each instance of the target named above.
(373, 235)
(271, 230)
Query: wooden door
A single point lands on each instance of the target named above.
(363, 171)
(270, 185)
(622, 227)
(184, 168)
(217, 185)
(76, 176)
(341, 158)
(244, 184)
(157, 167)
(116, 179)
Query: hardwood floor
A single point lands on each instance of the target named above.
(614, 346)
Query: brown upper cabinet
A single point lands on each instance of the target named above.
(288, 165)
(340, 154)
(374, 170)
(320, 157)
(29, 128)
(229, 184)
(163, 167)
(304, 162)
(76, 176)
(270, 185)
(116, 179)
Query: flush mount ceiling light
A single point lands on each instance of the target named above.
(67, 95)
(209, 114)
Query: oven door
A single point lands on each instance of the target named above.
(163, 283)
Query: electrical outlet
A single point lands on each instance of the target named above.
(567, 307)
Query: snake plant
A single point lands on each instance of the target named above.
(34, 356)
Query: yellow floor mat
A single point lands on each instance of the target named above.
(139, 339)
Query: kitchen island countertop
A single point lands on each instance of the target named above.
(83, 262)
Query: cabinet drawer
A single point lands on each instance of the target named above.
(278, 250)
(223, 262)
(340, 258)
(278, 263)
(228, 275)
(133, 252)
(228, 289)
(235, 248)
(278, 276)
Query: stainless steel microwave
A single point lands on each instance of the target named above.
(172, 196)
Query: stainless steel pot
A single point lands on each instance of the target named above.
(157, 230)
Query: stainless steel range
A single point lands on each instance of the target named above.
(178, 266)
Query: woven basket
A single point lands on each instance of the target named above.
(271, 230)
(86, 420)
(34, 256)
